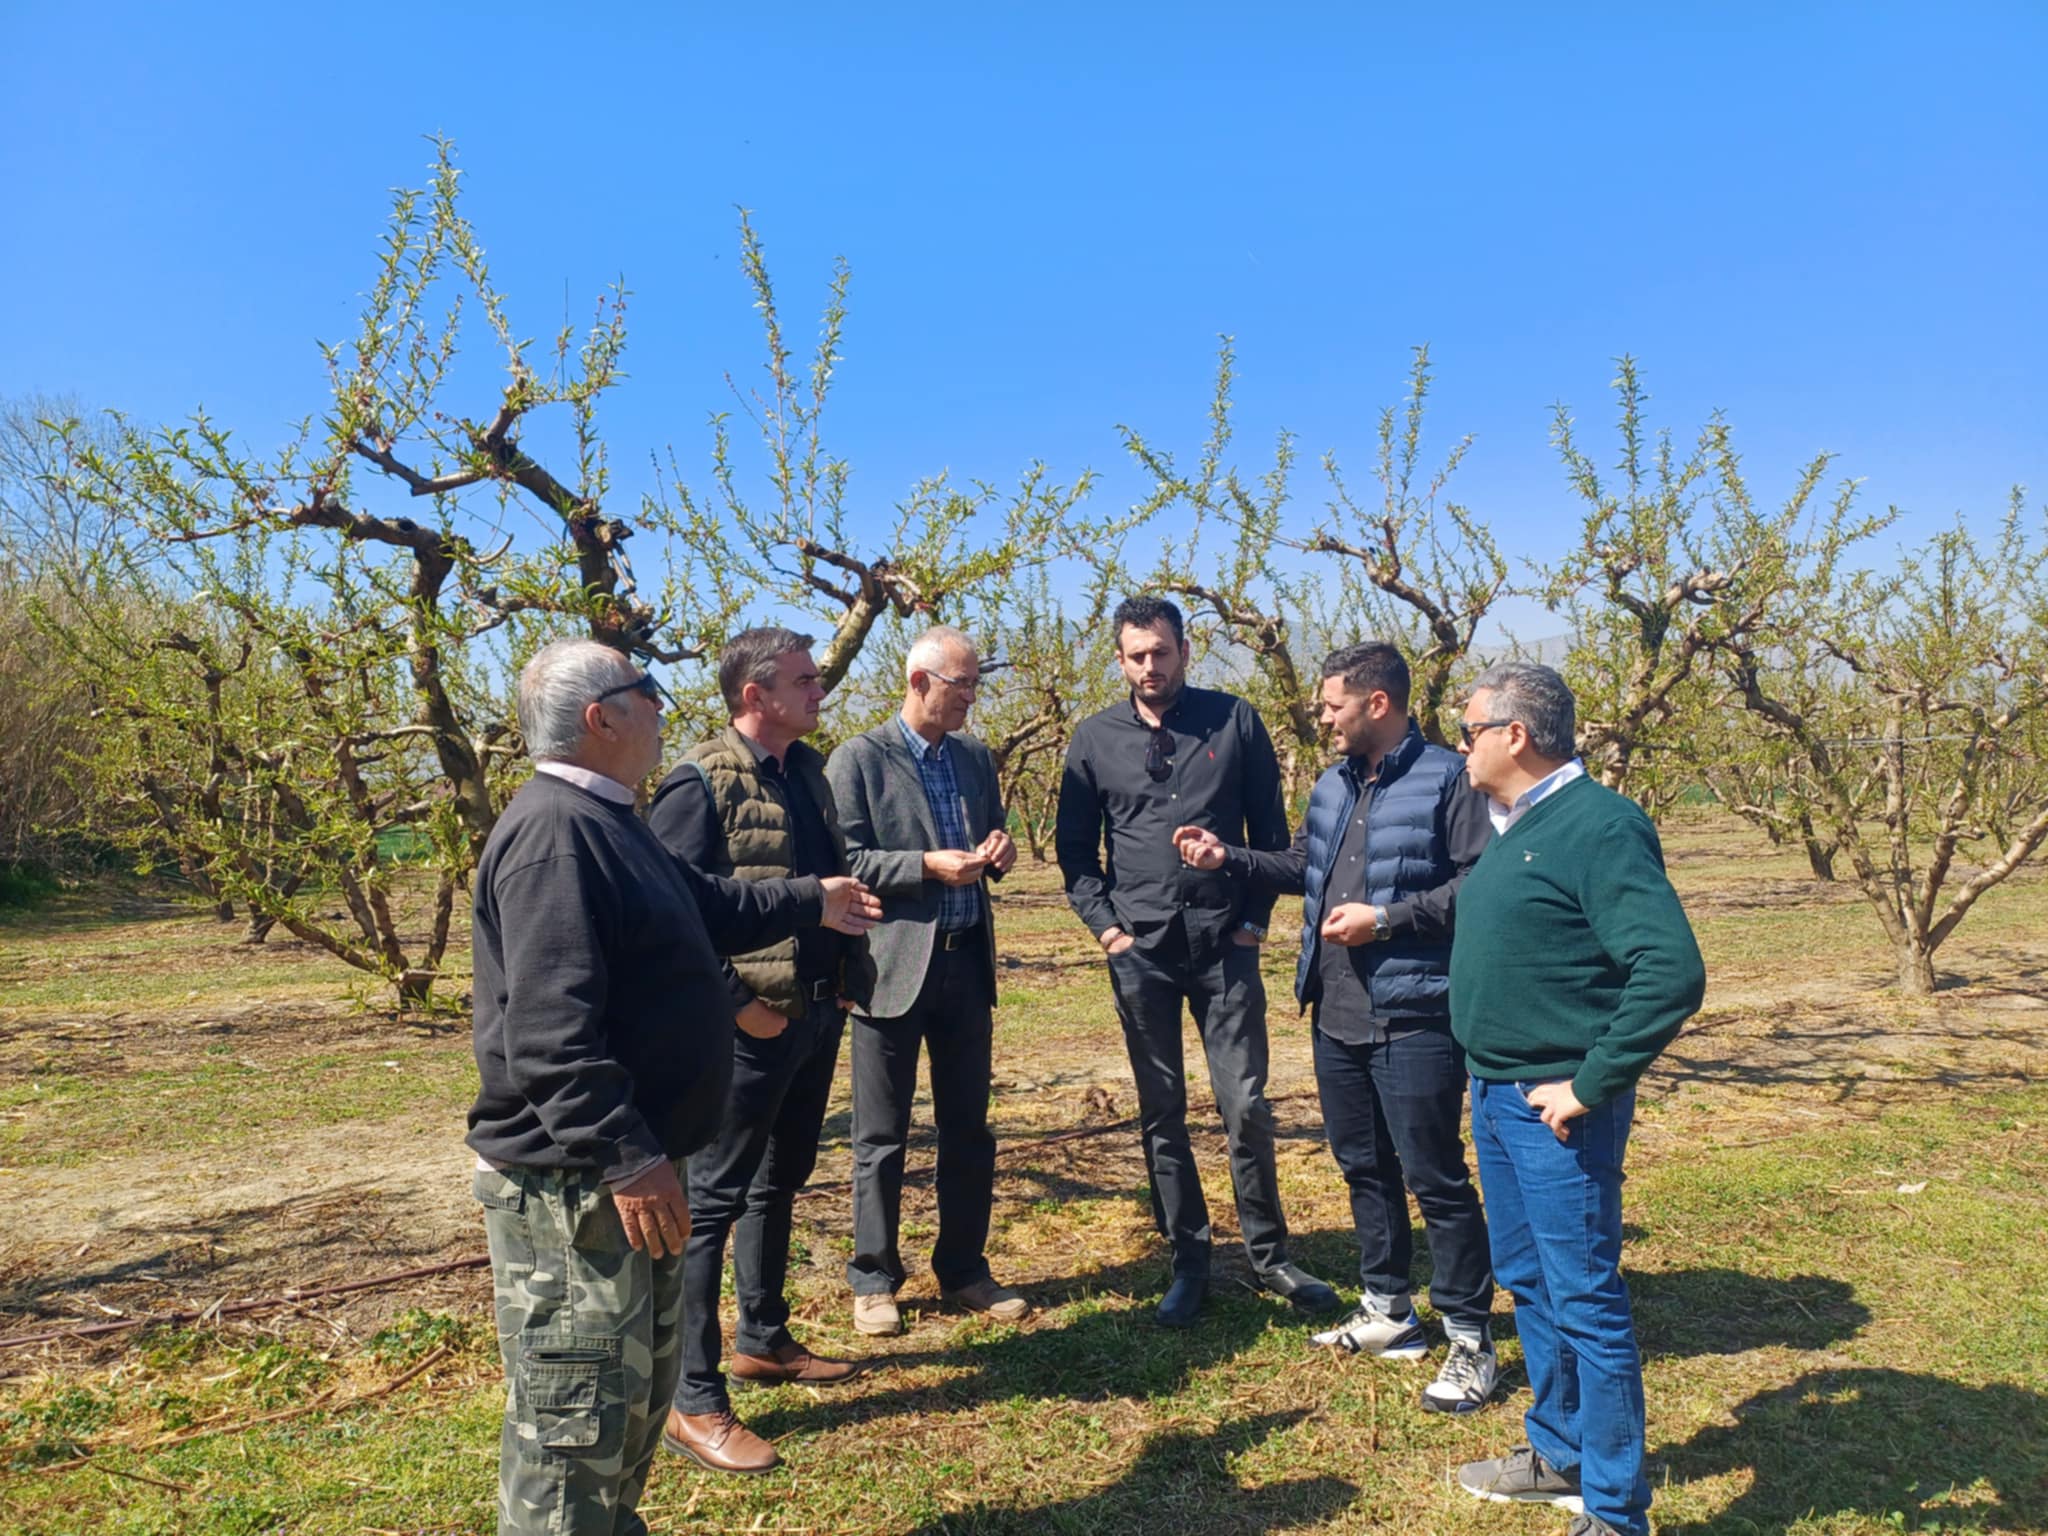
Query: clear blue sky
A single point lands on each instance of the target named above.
(1828, 221)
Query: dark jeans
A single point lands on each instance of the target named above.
(748, 1179)
(1151, 979)
(1555, 1212)
(1394, 1112)
(953, 1021)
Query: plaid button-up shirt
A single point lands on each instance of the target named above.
(959, 905)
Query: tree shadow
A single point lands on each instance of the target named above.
(1846, 1048)
(1115, 1351)
(1691, 1312)
(1909, 1450)
(1180, 1482)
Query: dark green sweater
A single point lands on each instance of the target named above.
(1573, 957)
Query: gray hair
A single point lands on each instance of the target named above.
(928, 652)
(750, 657)
(1535, 697)
(555, 686)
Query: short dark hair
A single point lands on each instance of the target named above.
(750, 657)
(1371, 665)
(1145, 613)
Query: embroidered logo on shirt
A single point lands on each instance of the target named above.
(1528, 855)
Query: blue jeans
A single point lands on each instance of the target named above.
(1553, 1211)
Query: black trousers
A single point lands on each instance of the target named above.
(748, 1179)
(1395, 1112)
(954, 1022)
(1151, 979)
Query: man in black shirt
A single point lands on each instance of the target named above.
(1169, 756)
(604, 1057)
(752, 802)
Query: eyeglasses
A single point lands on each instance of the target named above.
(644, 685)
(1468, 730)
(1159, 755)
(972, 684)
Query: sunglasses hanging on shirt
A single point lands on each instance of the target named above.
(1159, 755)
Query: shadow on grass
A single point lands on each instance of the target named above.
(299, 1241)
(1846, 1047)
(1180, 1482)
(1112, 1352)
(1691, 1312)
(1912, 1451)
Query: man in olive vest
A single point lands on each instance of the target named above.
(752, 803)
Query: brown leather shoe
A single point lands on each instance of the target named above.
(719, 1441)
(792, 1362)
(998, 1301)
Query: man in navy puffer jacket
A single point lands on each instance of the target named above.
(1390, 832)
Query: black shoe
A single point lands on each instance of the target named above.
(1302, 1290)
(1182, 1302)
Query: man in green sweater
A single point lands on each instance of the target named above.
(1573, 966)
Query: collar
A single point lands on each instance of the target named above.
(762, 755)
(919, 747)
(584, 778)
(1165, 716)
(1504, 817)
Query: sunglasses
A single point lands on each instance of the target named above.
(644, 685)
(1468, 730)
(1159, 755)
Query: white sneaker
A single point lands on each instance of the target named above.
(1465, 1382)
(1366, 1332)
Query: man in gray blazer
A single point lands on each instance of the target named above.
(924, 825)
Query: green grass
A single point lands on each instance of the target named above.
(61, 1120)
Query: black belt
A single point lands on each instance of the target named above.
(950, 939)
(820, 990)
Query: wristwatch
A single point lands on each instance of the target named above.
(1256, 930)
(1381, 933)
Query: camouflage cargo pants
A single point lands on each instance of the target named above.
(590, 1334)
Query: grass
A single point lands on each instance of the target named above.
(1836, 1208)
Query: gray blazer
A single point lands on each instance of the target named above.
(889, 828)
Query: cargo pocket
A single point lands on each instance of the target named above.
(496, 1191)
(571, 1396)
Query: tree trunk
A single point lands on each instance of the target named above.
(260, 924)
(414, 986)
(1821, 859)
(1820, 856)
(1916, 970)
(223, 911)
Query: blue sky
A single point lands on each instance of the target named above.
(1827, 221)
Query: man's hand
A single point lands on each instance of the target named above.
(1199, 847)
(653, 1211)
(1349, 925)
(760, 1021)
(850, 907)
(951, 866)
(1115, 941)
(1559, 1106)
(1000, 850)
